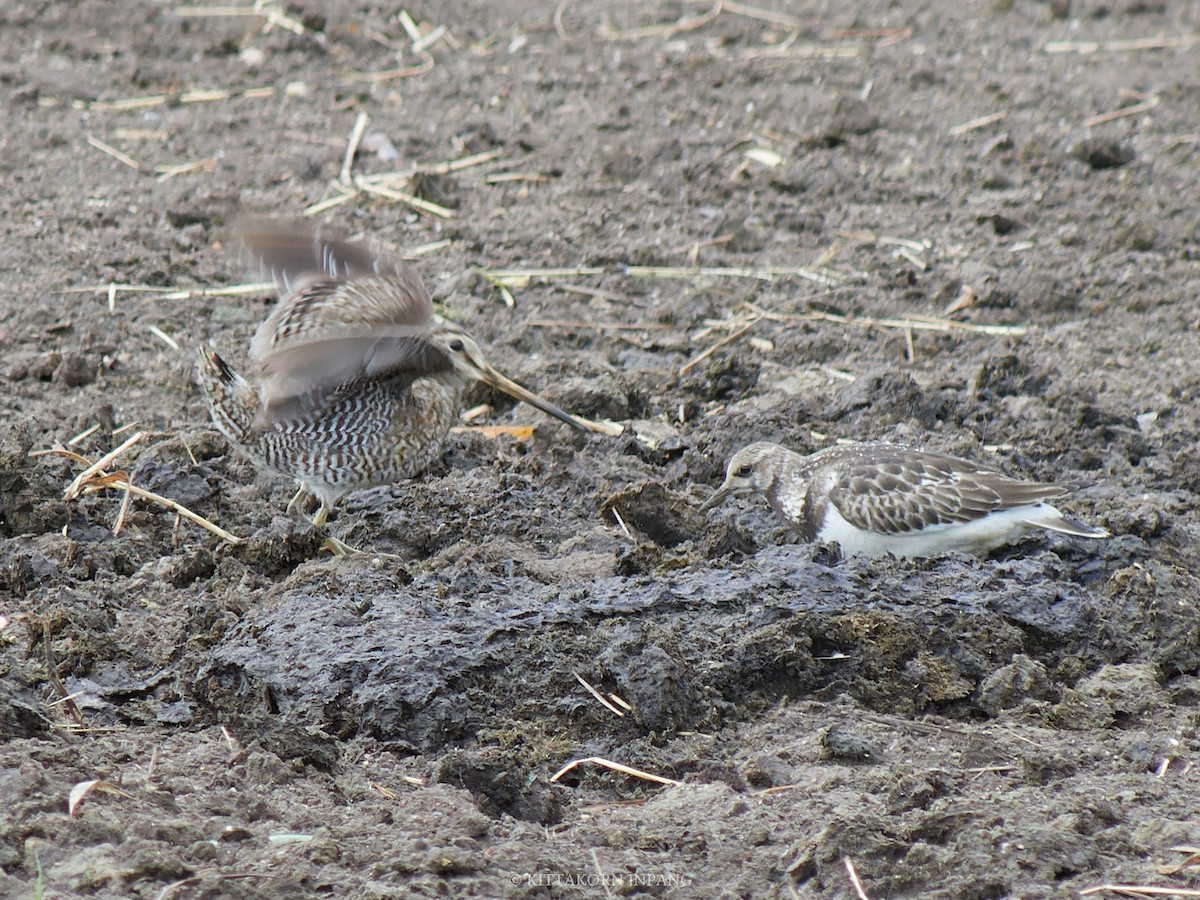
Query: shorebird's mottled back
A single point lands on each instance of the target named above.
(877, 498)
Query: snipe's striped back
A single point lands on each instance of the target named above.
(356, 381)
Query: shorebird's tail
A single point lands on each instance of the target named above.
(1052, 520)
(232, 402)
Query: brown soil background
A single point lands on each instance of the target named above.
(1019, 726)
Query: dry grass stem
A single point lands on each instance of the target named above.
(600, 873)
(691, 364)
(189, 97)
(123, 511)
(693, 249)
(83, 788)
(166, 173)
(140, 134)
(55, 680)
(388, 185)
(475, 412)
(164, 337)
(595, 326)
(123, 158)
(859, 890)
(113, 288)
(690, 272)
(1140, 890)
(1147, 104)
(506, 177)
(274, 17)
(616, 767)
(409, 26)
(521, 278)
(837, 375)
(237, 290)
(914, 322)
(444, 167)
(92, 470)
(525, 432)
(356, 135)
(665, 30)
(828, 279)
(178, 509)
(1123, 45)
(918, 262)
(345, 196)
(94, 478)
(422, 44)
(1193, 859)
(83, 435)
(766, 15)
(599, 697)
(412, 29)
(425, 249)
(972, 124)
(620, 701)
(871, 238)
(516, 432)
(465, 162)
(621, 523)
(420, 205)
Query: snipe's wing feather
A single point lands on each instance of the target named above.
(906, 490)
(291, 252)
(347, 310)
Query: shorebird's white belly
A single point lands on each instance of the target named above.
(981, 535)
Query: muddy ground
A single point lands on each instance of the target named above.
(273, 722)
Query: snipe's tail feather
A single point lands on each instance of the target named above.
(232, 402)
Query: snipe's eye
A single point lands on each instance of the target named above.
(457, 345)
(744, 471)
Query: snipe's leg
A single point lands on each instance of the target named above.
(336, 546)
(296, 505)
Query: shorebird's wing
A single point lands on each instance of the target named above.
(909, 490)
(347, 310)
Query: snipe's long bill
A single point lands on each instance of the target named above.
(356, 382)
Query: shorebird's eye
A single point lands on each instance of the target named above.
(457, 345)
(744, 471)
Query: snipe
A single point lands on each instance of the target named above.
(357, 382)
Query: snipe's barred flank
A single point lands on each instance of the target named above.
(878, 498)
(356, 383)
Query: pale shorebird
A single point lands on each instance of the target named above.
(356, 381)
(879, 498)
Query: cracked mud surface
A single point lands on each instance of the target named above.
(281, 723)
